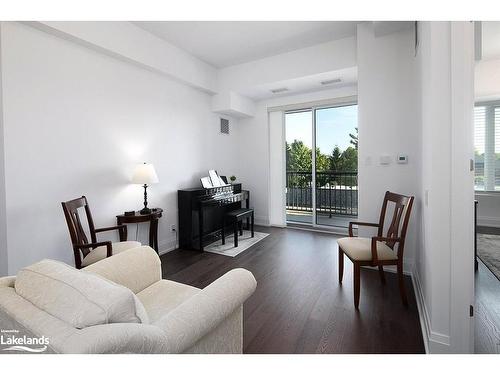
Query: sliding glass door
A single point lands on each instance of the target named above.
(331, 169)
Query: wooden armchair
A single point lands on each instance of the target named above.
(90, 252)
(379, 250)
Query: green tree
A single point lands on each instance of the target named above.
(335, 159)
(322, 161)
(354, 139)
(298, 157)
(350, 159)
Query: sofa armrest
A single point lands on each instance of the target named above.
(135, 269)
(203, 312)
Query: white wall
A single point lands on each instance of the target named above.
(443, 270)
(388, 125)
(3, 215)
(130, 43)
(325, 57)
(252, 166)
(76, 122)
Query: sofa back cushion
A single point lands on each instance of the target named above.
(81, 299)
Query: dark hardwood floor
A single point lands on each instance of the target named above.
(298, 306)
(487, 321)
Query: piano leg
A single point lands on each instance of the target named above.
(222, 232)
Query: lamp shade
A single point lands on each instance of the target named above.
(145, 174)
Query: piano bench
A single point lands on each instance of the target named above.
(236, 217)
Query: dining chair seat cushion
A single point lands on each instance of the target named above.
(360, 248)
(100, 252)
(81, 299)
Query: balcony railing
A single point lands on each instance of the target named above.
(336, 192)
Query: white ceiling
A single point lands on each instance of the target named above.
(347, 77)
(225, 43)
(490, 40)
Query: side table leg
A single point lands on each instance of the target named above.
(153, 234)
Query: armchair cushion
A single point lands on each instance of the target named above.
(100, 252)
(359, 248)
(164, 296)
(81, 299)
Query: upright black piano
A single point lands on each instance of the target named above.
(202, 210)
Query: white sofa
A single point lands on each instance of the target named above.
(122, 305)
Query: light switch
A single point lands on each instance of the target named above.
(385, 159)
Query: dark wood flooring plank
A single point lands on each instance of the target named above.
(298, 306)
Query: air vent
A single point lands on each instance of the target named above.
(224, 126)
(277, 91)
(330, 81)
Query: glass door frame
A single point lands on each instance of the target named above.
(343, 103)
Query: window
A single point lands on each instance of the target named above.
(487, 146)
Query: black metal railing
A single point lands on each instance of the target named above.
(336, 192)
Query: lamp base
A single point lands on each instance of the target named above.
(145, 211)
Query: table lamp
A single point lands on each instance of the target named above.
(145, 174)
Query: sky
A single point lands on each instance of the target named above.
(333, 126)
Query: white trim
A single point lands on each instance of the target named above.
(326, 103)
(434, 342)
(167, 246)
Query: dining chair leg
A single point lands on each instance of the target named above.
(341, 265)
(357, 277)
(401, 279)
(381, 273)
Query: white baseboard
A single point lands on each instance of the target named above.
(434, 342)
(262, 221)
(168, 245)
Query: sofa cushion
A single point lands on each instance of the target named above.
(164, 296)
(81, 299)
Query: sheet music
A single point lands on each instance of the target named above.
(214, 178)
(206, 183)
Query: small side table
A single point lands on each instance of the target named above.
(153, 218)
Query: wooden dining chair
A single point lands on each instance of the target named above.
(90, 252)
(379, 250)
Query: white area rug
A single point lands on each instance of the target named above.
(244, 243)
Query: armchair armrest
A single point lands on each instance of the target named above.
(360, 223)
(135, 269)
(122, 230)
(374, 244)
(203, 312)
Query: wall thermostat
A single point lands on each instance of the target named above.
(402, 159)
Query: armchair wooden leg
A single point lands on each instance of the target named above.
(341, 265)
(401, 279)
(357, 277)
(381, 273)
